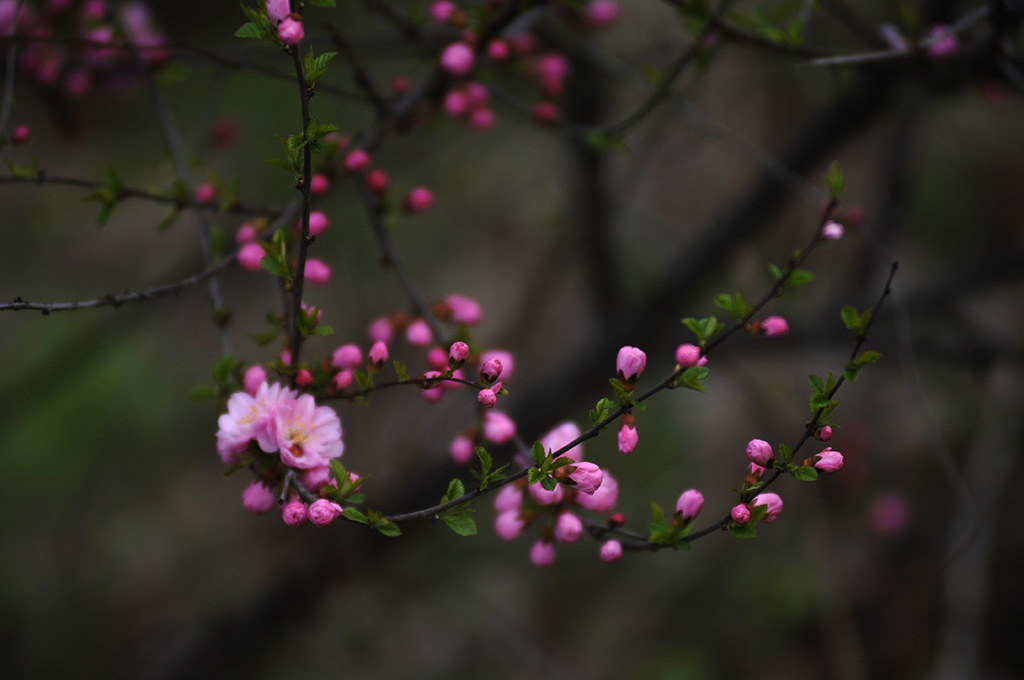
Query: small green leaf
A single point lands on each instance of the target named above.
(460, 522)
(804, 473)
(223, 368)
(799, 277)
(248, 30)
(202, 392)
(692, 378)
(485, 459)
(786, 454)
(549, 483)
(321, 3)
(400, 369)
(354, 515)
(835, 181)
(743, 530)
(455, 490)
(657, 514)
(539, 454)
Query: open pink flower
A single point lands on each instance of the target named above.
(308, 435)
(562, 435)
(602, 500)
(257, 498)
(250, 417)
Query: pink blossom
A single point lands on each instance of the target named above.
(477, 93)
(205, 193)
(442, 11)
(771, 501)
(400, 84)
(318, 223)
(294, 513)
(498, 427)
(378, 353)
(246, 234)
(251, 257)
(357, 161)
(760, 452)
(823, 434)
(508, 525)
(380, 330)
(630, 363)
(941, 42)
(308, 435)
(562, 435)
(254, 377)
(689, 355)
(21, 134)
(490, 370)
(544, 497)
(771, 327)
(463, 309)
(488, 397)
(889, 514)
(250, 417)
(257, 498)
(601, 13)
(587, 477)
(319, 185)
(322, 512)
(343, 380)
(290, 31)
(827, 461)
(547, 113)
(418, 333)
(303, 378)
(457, 59)
(689, 504)
(419, 200)
(628, 436)
(831, 231)
(602, 500)
(317, 272)
(552, 70)
(457, 354)
(753, 474)
(497, 50)
(568, 527)
(317, 478)
(611, 551)
(482, 119)
(740, 513)
(277, 10)
(377, 181)
(347, 356)
(542, 554)
(461, 449)
(434, 391)
(456, 103)
(509, 498)
(505, 358)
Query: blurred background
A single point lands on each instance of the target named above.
(126, 552)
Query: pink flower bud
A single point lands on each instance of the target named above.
(771, 327)
(611, 551)
(357, 161)
(628, 436)
(505, 360)
(20, 135)
(497, 50)
(826, 461)
(250, 257)
(560, 437)
(343, 380)
(378, 353)
(456, 103)
(457, 59)
(318, 223)
(587, 477)
(482, 119)
(246, 234)
(760, 452)
(509, 498)
(542, 554)
(317, 272)
(377, 182)
(381, 330)
(442, 11)
(508, 525)
(400, 85)
(254, 377)
(690, 504)
(434, 391)
(277, 10)
(630, 363)
(290, 31)
(498, 427)
(941, 42)
(568, 527)
(601, 13)
(294, 513)
(771, 501)
(322, 512)
(257, 498)
(753, 475)
(889, 514)
(418, 333)
(205, 193)
(547, 113)
(303, 378)
(604, 499)
(488, 397)
(689, 355)
(457, 354)
(823, 434)
(617, 520)
(552, 69)
(317, 478)
(740, 514)
(477, 93)
(463, 309)
(418, 200)
(831, 231)
(490, 370)
(347, 356)
(319, 185)
(461, 449)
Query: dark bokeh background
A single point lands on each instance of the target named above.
(126, 553)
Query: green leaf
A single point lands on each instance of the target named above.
(223, 368)
(248, 30)
(704, 329)
(601, 410)
(734, 304)
(460, 522)
(202, 392)
(485, 459)
(835, 181)
(321, 3)
(354, 515)
(403, 376)
(799, 277)
(743, 530)
(534, 475)
(692, 378)
(455, 490)
(549, 483)
(804, 473)
(786, 454)
(816, 384)
(657, 514)
(539, 454)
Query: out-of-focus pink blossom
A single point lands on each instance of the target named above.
(318, 223)
(832, 231)
(347, 356)
(542, 554)
(498, 427)
(552, 69)
(481, 118)
(547, 113)
(20, 135)
(303, 378)
(823, 434)
(357, 161)
(257, 498)
(568, 527)
(316, 478)
(319, 185)
(461, 449)
(497, 50)
(418, 333)
(562, 435)
(602, 500)
(456, 103)
(611, 551)
(941, 42)
(277, 10)
(418, 200)
(457, 59)
(378, 353)
(343, 379)
(253, 378)
(771, 327)
(544, 497)
(508, 525)
(889, 514)
(317, 272)
(246, 234)
(378, 182)
(509, 498)
(463, 309)
(322, 512)
(205, 193)
(442, 11)
(381, 330)
(601, 13)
